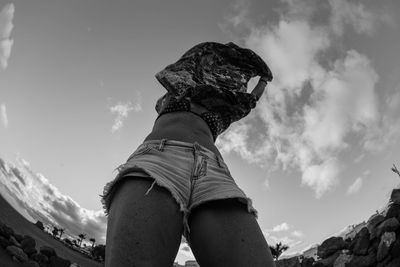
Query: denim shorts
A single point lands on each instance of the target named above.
(192, 173)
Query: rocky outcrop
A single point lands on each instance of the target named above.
(22, 249)
(376, 245)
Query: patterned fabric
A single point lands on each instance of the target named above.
(214, 76)
(221, 66)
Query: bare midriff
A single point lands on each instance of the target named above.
(183, 126)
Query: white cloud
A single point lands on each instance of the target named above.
(357, 15)
(285, 240)
(297, 233)
(122, 111)
(266, 184)
(386, 131)
(6, 26)
(312, 104)
(43, 201)
(355, 187)
(321, 177)
(281, 227)
(359, 158)
(3, 115)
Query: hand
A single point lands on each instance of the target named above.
(260, 87)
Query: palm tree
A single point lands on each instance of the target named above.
(61, 231)
(55, 231)
(278, 249)
(395, 170)
(81, 237)
(93, 241)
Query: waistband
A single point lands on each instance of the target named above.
(195, 146)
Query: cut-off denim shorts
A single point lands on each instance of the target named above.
(192, 173)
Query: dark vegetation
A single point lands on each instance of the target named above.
(22, 227)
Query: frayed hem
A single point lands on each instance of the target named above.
(247, 201)
(110, 187)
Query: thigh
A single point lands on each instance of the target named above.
(143, 229)
(223, 233)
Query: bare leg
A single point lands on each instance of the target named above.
(223, 233)
(143, 230)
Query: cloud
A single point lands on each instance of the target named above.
(315, 100)
(281, 227)
(279, 234)
(122, 111)
(355, 187)
(272, 239)
(6, 26)
(3, 115)
(356, 15)
(321, 177)
(359, 158)
(386, 132)
(43, 201)
(297, 234)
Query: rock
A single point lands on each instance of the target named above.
(4, 242)
(330, 246)
(30, 263)
(48, 251)
(18, 237)
(30, 251)
(360, 243)
(14, 241)
(307, 262)
(28, 242)
(387, 240)
(40, 258)
(6, 231)
(330, 260)
(17, 253)
(373, 221)
(395, 250)
(28, 245)
(56, 261)
(74, 265)
(384, 262)
(389, 225)
(393, 212)
(395, 196)
(394, 263)
(290, 262)
(373, 246)
(363, 261)
(342, 260)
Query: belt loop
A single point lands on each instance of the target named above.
(196, 148)
(162, 144)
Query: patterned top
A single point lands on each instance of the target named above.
(226, 66)
(224, 106)
(214, 76)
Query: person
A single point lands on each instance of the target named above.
(176, 182)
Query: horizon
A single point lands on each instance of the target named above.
(77, 79)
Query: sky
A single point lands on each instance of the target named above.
(77, 97)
